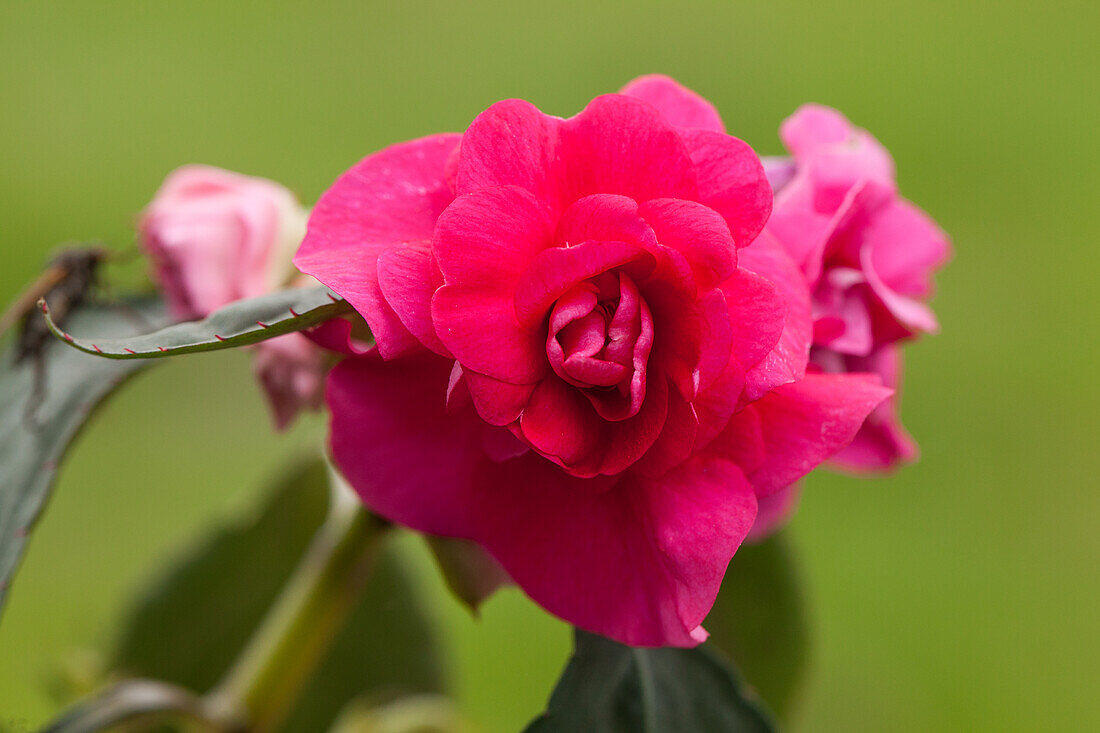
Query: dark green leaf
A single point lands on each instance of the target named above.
(611, 688)
(759, 621)
(41, 412)
(240, 323)
(191, 625)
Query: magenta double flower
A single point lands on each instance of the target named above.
(587, 359)
(868, 256)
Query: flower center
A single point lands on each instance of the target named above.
(599, 339)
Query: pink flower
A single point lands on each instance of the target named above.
(581, 362)
(867, 253)
(214, 237)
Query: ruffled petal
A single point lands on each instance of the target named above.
(490, 236)
(835, 154)
(676, 441)
(757, 314)
(480, 328)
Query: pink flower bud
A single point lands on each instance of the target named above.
(215, 236)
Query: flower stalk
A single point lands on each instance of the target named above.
(262, 686)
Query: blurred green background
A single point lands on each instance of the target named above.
(958, 594)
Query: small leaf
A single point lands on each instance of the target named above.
(35, 431)
(759, 620)
(190, 626)
(611, 688)
(240, 323)
(470, 572)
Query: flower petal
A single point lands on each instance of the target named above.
(604, 217)
(813, 126)
(676, 441)
(905, 246)
(799, 425)
(410, 460)
(498, 403)
(883, 442)
(787, 361)
(483, 242)
(489, 237)
(679, 105)
(624, 146)
(408, 278)
(697, 232)
(757, 313)
(480, 328)
(731, 180)
(392, 196)
(560, 423)
(554, 271)
(511, 144)
(640, 562)
(773, 511)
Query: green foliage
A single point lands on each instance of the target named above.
(45, 399)
(193, 622)
(611, 688)
(240, 323)
(759, 620)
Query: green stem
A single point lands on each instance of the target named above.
(262, 686)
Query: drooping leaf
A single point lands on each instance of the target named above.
(611, 688)
(240, 323)
(759, 620)
(44, 401)
(469, 571)
(192, 623)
